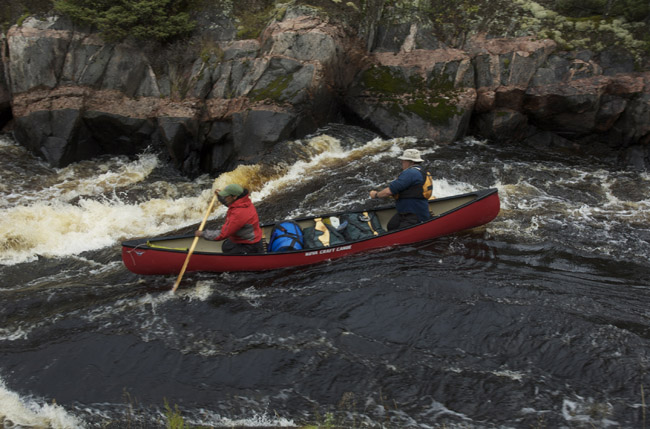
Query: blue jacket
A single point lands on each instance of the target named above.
(419, 206)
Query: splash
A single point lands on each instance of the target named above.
(588, 412)
(18, 412)
(37, 183)
(325, 149)
(61, 229)
(249, 176)
(261, 421)
(90, 205)
(83, 208)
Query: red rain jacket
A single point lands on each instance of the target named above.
(242, 224)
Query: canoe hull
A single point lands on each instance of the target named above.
(144, 257)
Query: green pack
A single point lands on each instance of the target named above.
(361, 225)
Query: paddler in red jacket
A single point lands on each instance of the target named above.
(241, 230)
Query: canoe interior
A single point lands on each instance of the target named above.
(437, 207)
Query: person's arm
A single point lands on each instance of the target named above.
(232, 224)
(208, 234)
(230, 227)
(403, 181)
(381, 194)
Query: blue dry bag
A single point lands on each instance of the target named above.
(285, 236)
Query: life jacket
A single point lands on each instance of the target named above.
(286, 235)
(423, 191)
(322, 234)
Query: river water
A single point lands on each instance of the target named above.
(539, 319)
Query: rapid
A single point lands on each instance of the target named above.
(540, 318)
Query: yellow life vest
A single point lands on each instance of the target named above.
(427, 187)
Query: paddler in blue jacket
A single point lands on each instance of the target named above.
(412, 205)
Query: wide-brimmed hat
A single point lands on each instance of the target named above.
(411, 155)
(233, 189)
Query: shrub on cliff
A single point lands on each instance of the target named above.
(143, 19)
(11, 11)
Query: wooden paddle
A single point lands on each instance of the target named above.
(196, 240)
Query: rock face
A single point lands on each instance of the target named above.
(75, 97)
(568, 94)
(426, 94)
(72, 96)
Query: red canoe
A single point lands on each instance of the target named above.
(166, 255)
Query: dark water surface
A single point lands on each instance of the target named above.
(539, 319)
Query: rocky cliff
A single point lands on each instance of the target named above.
(216, 101)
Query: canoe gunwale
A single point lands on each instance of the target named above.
(144, 243)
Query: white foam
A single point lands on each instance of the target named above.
(201, 291)
(587, 411)
(55, 229)
(513, 375)
(13, 334)
(32, 413)
(87, 178)
(64, 219)
(437, 409)
(263, 420)
(330, 148)
(443, 188)
(23, 328)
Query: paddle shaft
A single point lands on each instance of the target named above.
(196, 240)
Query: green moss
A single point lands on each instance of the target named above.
(274, 91)
(593, 18)
(437, 112)
(339, 11)
(432, 100)
(22, 19)
(385, 80)
(580, 25)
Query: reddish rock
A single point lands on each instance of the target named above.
(73, 96)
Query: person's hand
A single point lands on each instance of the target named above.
(198, 233)
(373, 194)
